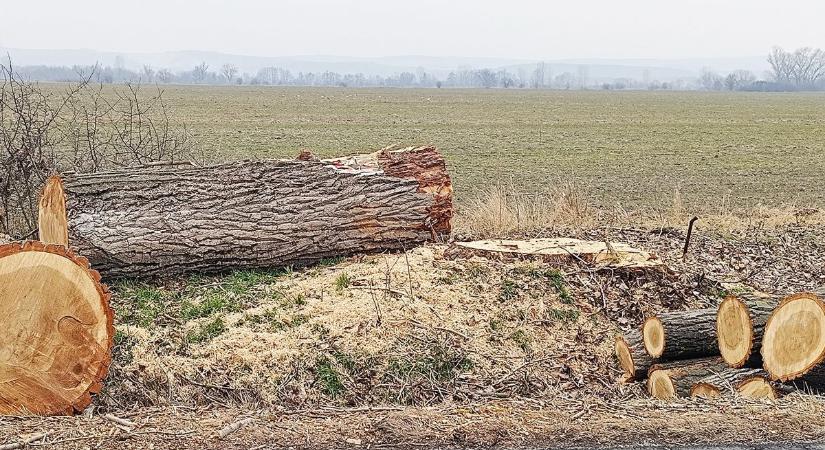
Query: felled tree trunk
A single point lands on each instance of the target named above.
(168, 220)
(681, 334)
(676, 379)
(633, 359)
(793, 344)
(740, 324)
(56, 338)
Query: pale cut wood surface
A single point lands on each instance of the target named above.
(163, 221)
(52, 221)
(56, 330)
(793, 344)
(614, 254)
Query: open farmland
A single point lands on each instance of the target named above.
(631, 148)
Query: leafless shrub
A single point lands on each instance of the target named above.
(85, 128)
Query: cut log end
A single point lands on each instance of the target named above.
(794, 339)
(705, 390)
(734, 329)
(653, 334)
(757, 388)
(625, 358)
(52, 220)
(660, 385)
(55, 315)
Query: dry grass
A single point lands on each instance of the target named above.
(500, 211)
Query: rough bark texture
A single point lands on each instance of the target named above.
(726, 381)
(675, 379)
(56, 333)
(51, 218)
(257, 214)
(682, 335)
(740, 325)
(633, 358)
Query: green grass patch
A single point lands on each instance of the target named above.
(207, 331)
(342, 281)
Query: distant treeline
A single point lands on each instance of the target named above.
(803, 69)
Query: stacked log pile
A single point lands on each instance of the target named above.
(752, 345)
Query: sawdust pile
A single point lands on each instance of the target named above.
(409, 328)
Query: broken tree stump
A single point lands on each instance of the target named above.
(740, 324)
(681, 334)
(599, 254)
(169, 220)
(51, 214)
(56, 332)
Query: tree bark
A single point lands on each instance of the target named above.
(731, 380)
(675, 379)
(163, 220)
(681, 335)
(57, 330)
(632, 357)
(740, 324)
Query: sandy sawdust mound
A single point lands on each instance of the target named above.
(412, 328)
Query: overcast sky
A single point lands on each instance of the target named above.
(529, 29)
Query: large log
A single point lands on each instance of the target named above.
(168, 220)
(681, 334)
(676, 379)
(632, 357)
(55, 330)
(740, 324)
(793, 345)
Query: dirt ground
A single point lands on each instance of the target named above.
(500, 424)
(341, 355)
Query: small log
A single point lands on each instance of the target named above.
(169, 220)
(681, 335)
(676, 379)
(53, 227)
(56, 333)
(793, 344)
(632, 357)
(740, 324)
(750, 383)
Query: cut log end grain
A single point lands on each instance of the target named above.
(632, 357)
(55, 328)
(660, 385)
(653, 333)
(757, 388)
(680, 335)
(705, 390)
(734, 329)
(52, 220)
(794, 338)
